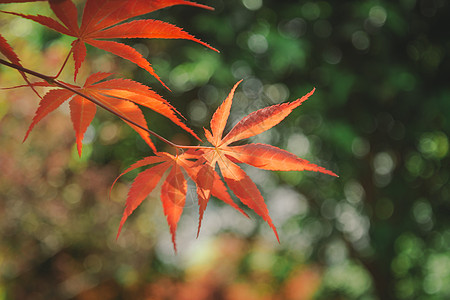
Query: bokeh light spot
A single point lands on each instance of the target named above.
(422, 212)
(311, 10)
(294, 28)
(197, 111)
(377, 16)
(434, 144)
(383, 163)
(298, 144)
(257, 43)
(252, 4)
(360, 147)
(360, 40)
(332, 55)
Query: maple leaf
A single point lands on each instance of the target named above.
(173, 189)
(199, 164)
(101, 20)
(208, 182)
(119, 95)
(258, 155)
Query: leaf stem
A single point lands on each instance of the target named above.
(63, 65)
(53, 81)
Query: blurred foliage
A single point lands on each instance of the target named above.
(379, 119)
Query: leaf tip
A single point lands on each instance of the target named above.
(27, 133)
(160, 80)
(199, 224)
(207, 7)
(174, 244)
(25, 138)
(118, 232)
(79, 148)
(122, 222)
(326, 171)
(274, 231)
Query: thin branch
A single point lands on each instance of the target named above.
(63, 65)
(53, 81)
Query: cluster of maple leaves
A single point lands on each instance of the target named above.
(104, 19)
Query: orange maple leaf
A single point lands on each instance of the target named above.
(119, 95)
(174, 188)
(199, 164)
(101, 20)
(258, 155)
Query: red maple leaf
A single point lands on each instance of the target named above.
(199, 164)
(119, 95)
(174, 188)
(101, 20)
(258, 155)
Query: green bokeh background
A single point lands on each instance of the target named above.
(378, 118)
